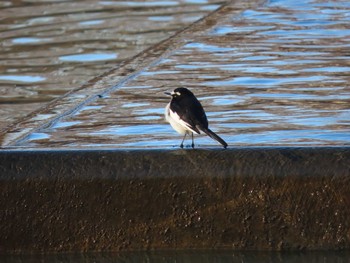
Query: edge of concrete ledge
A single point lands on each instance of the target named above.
(243, 161)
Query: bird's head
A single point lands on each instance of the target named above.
(180, 93)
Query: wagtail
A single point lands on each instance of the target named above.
(186, 115)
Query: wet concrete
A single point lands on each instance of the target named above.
(112, 200)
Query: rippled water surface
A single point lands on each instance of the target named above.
(50, 47)
(274, 75)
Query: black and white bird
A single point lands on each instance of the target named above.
(186, 115)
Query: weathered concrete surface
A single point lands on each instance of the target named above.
(111, 200)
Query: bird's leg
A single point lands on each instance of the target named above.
(192, 141)
(182, 143)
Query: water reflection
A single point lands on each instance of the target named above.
(273, 79)
(28, 40)
(91, 22)
(51, 42)
(21, 78)
(90, 57)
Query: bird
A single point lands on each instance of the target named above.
(186, 115)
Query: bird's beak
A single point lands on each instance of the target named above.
(168, 93)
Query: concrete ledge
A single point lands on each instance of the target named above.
(111, 200)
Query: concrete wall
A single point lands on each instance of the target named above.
(111, 200)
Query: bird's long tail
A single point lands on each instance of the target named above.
(216, 137)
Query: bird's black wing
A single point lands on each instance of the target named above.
(191, 111)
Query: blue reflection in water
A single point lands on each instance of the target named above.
(89, 57)
(161, 72)
(160, 18)
(263, 81)
(29, 40)
(22, 78)
(37, 136)
(327, 69)
(223, 30)
(91, 22)
(140, 4)
(291, 137)
(134, 104)
(132, 130)
(209, 7)
(196, 1)
(208, 48)
(65, 124)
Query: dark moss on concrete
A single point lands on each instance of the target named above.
(256, 198)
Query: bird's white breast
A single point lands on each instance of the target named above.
(175, 121)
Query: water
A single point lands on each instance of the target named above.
(274, 75)
(48, 48)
